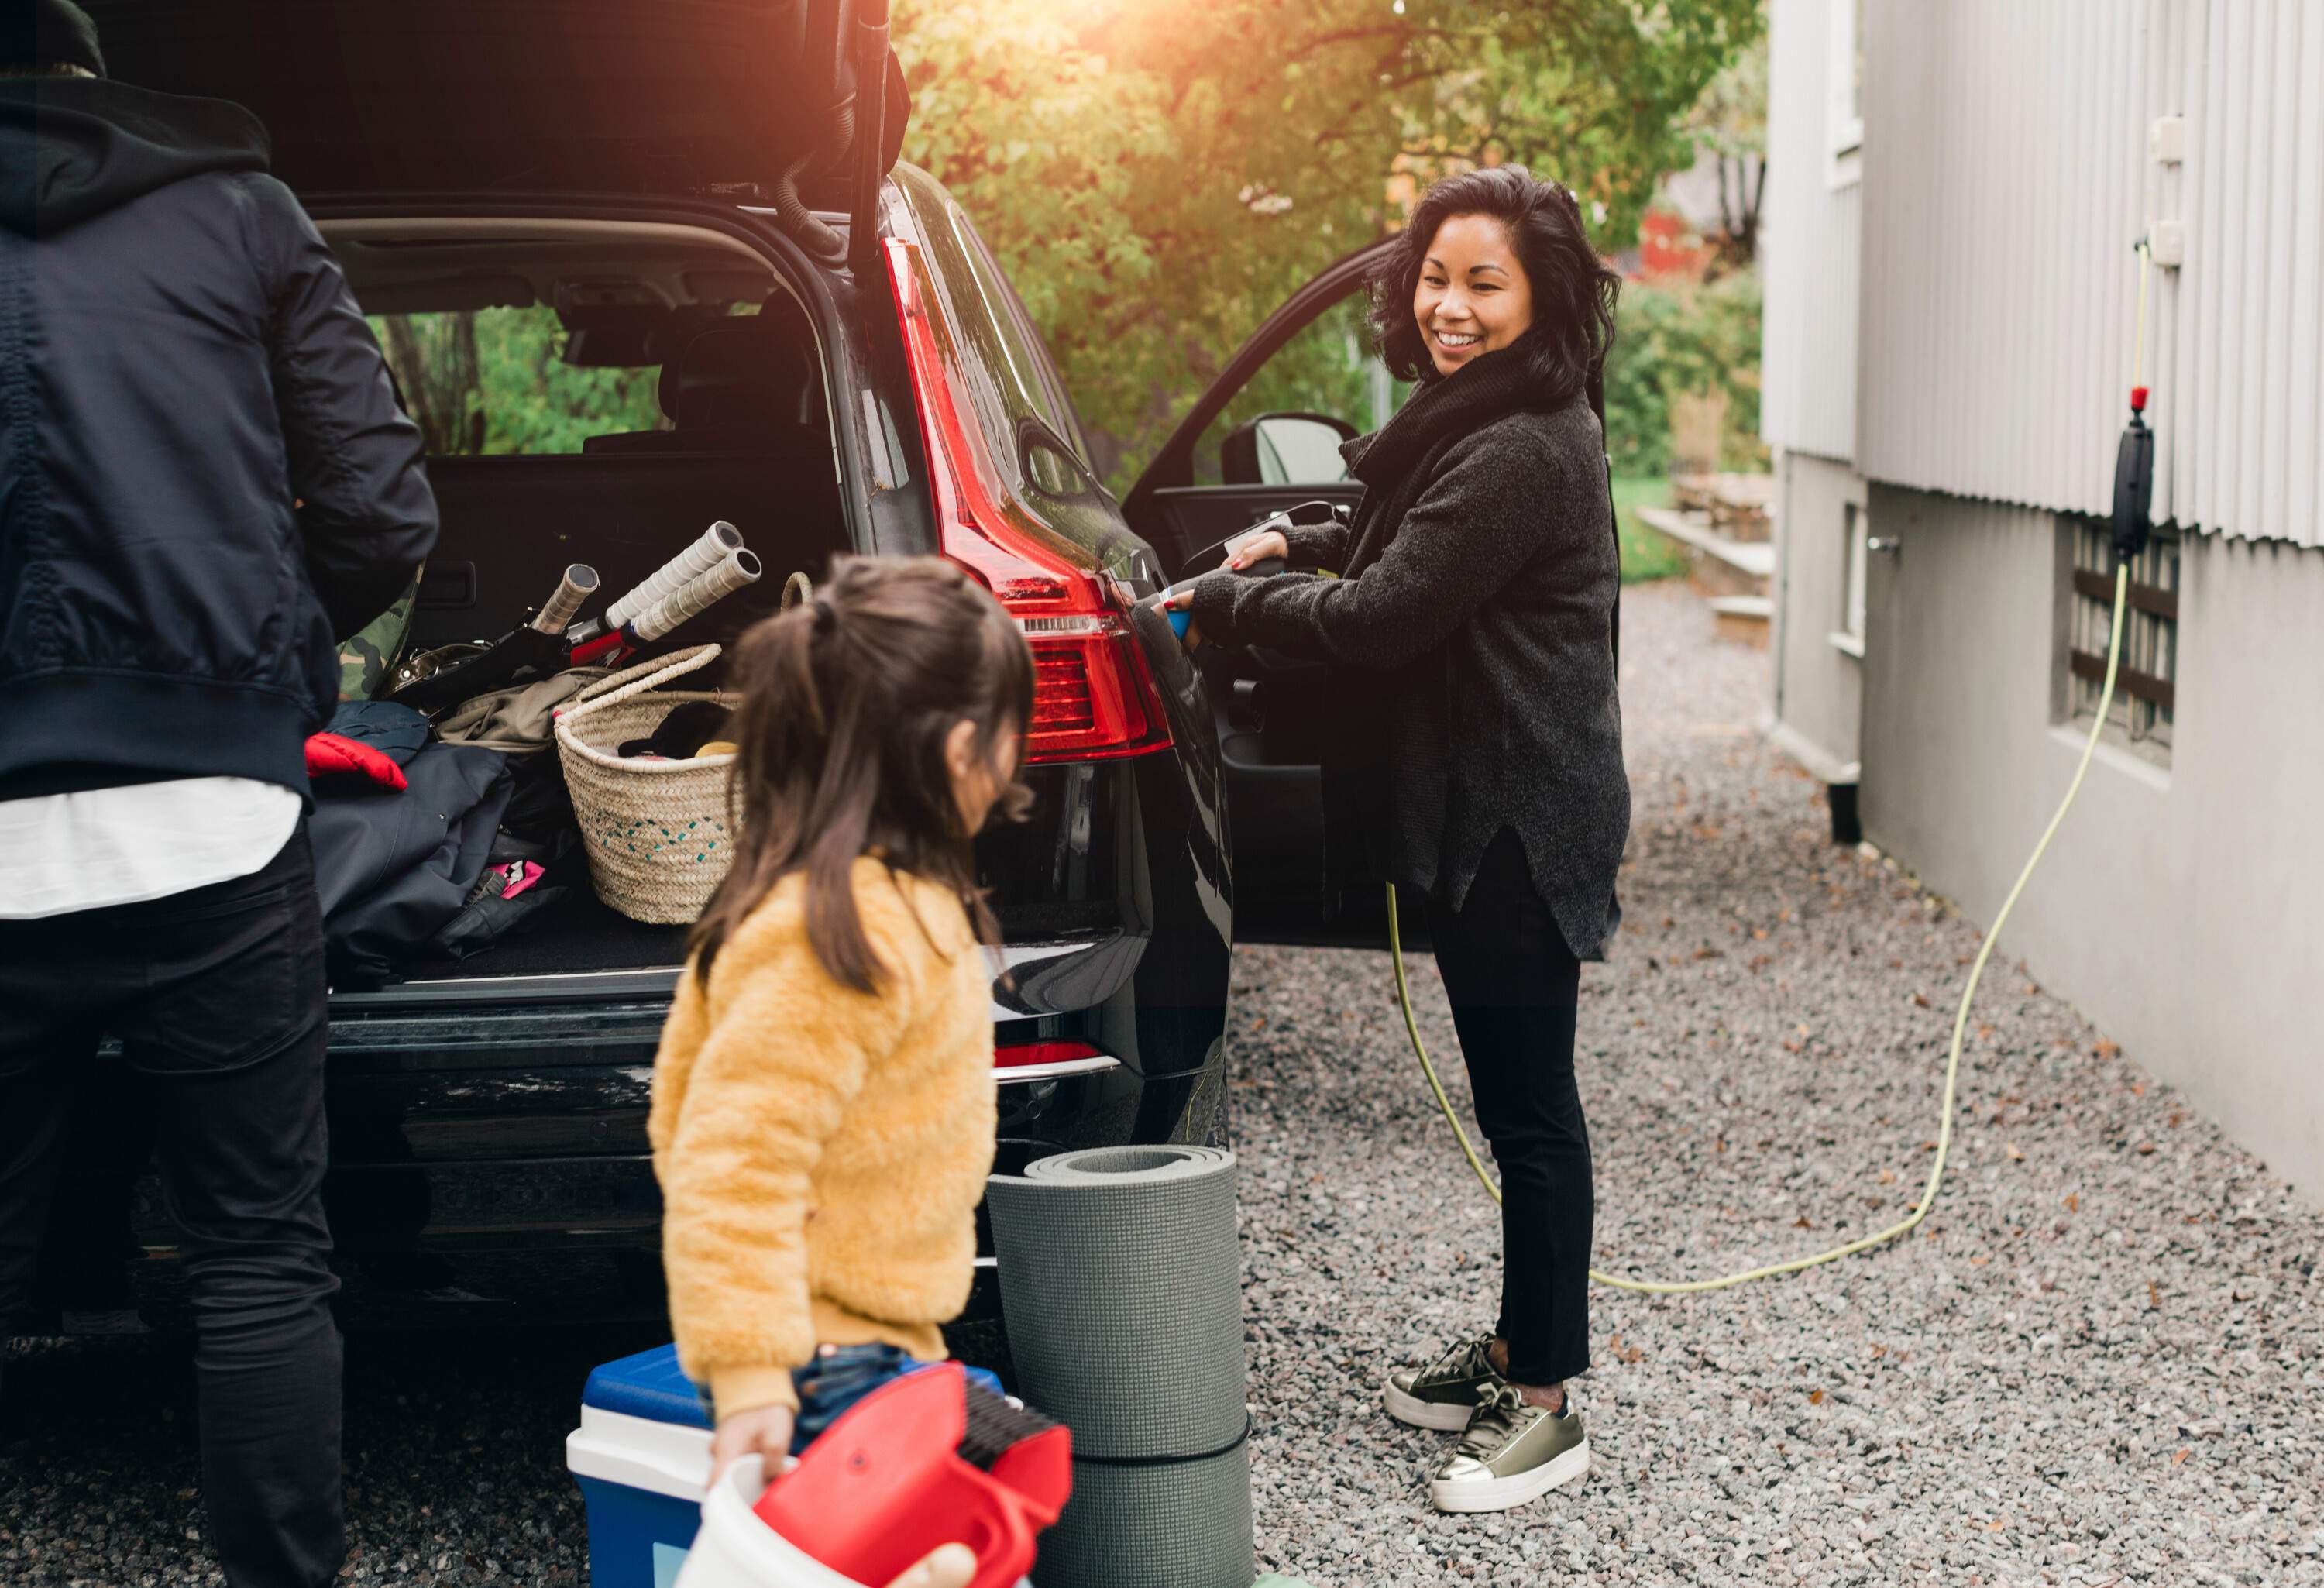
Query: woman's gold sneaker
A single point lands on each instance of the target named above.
(1443, 1394)
(1513, 1452)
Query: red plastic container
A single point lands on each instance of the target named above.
(885, 1485)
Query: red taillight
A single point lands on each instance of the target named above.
(1022, 1054)
(1092, 693)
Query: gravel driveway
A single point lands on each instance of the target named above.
(2101, 1361)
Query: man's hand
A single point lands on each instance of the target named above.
(1258, 548)
(764, 1431)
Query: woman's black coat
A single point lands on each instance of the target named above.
(1478, 590)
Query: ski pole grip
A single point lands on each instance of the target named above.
(717, 543)
(740, 567)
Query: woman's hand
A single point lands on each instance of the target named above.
(764, 1431)
(1182, 600)
(1258, 548)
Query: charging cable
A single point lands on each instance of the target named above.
(1952, 1062)
(2134, 482)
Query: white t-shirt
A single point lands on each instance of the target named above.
(61, 852)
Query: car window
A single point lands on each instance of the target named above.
(494, 383)
(1058, 406)
(1029, 386)
(1328, 368)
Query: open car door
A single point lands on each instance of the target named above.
(1211, 480)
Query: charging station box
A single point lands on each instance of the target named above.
(641, 1457)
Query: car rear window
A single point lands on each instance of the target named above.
(490, 381)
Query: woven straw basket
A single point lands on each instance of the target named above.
(656, 830)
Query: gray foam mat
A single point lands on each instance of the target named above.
(1177, 1525)
(1122, 1281)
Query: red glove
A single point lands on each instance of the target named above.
(328, 754)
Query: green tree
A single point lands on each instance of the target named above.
(532, 401)
(1157, 177)
(1730, 123)
(1675, 342)
(494, 380)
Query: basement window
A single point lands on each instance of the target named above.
(2146, 680)
(1855, 550)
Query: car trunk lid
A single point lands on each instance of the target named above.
(675, 96)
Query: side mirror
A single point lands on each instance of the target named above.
(1284, 450)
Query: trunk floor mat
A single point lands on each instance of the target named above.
(580, 935)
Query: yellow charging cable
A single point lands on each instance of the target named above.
(1953, 1063)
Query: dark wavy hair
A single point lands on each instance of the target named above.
(846, 703)
(1574, 293)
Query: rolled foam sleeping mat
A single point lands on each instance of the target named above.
(1182, 1524)
(1122, 1284)
(1122, 1281)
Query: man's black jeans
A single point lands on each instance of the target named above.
(1514, 986)
(217, 997)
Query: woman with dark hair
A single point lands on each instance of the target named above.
(1474, 613)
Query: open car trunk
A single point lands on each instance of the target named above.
(508, 524)
(667, 96)
(574, 417)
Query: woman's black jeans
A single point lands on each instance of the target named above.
(1515, 986)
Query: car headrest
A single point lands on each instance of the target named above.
(739, 372)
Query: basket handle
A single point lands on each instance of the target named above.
(637, 679)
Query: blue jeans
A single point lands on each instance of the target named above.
(836, 1380)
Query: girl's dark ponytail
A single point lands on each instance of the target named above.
(846, 702)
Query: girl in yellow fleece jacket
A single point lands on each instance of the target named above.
(823, 1100)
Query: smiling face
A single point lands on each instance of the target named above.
(1473, 295)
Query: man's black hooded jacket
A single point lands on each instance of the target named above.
(180, 359)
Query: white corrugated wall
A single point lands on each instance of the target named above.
(2006, 179)
(1808, 250)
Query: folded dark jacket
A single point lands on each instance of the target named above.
(392, 868)
(388, 727)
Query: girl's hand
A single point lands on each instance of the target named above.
(1258, 548)
(952, 1565)
(764, 1431)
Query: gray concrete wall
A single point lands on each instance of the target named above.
(1819, 684)
(2181, 907)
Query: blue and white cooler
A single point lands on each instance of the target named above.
(641, 1457)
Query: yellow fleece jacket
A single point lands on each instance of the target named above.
(821, 1150)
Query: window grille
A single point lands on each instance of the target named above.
(2146, 681)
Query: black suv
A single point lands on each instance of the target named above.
(707, 187)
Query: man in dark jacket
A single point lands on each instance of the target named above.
(204, 476)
